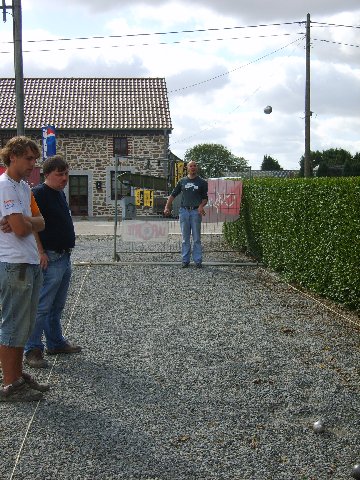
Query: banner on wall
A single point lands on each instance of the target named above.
(224, 200)
(48, 141)
(144, 197)
(178, 171)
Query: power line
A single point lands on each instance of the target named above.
(237, 68)
(177, 42)
(163, 33)
(234, 109)
(324, 24)
(336, 43)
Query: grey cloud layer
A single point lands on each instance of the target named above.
(253, 10)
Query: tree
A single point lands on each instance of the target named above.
(337, 160)
(215, 160)
(336, 156)
(270, 163)
(323, 170)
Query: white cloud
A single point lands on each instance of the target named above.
(218, 85)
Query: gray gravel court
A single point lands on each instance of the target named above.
(190, 374)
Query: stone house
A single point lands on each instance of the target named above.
(96, 121)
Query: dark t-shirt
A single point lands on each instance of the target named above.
(59, 231)
(194, 191)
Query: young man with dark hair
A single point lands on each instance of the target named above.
(55, 244)
(20, 273)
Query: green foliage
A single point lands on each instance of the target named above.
(270, 163)
(352, 168)
(307, 229)
(335, 156)
(323, 170)
(214, 160)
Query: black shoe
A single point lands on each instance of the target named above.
(66, 348)
(19, 391)
(35, 358)
(185, 265)
(198, 265)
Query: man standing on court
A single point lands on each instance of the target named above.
(20, 272)
(56, 243)
(194, 191)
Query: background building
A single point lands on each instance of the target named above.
(96, 121)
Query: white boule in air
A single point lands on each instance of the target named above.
(268, 109)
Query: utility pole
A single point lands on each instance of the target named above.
(18, 66)
(307, 166)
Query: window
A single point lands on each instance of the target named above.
(123, 190)
(121, 146)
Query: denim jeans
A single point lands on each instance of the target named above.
(190, 224)
(19, 294)
(52, 301)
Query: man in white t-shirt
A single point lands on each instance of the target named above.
(20, 273)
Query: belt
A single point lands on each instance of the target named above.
(191, 208)
(64, 250)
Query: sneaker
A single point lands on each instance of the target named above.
(35, 358)
(66, 348)
(198, 265)
(19, 391)
(32, 383)
(185, 265)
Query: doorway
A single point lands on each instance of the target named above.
(78, 195)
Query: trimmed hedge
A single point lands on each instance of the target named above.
(307, 229)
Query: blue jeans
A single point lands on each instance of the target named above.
(190, 224)
(52, 301)
(19, 294)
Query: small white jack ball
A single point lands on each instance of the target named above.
(356, 471)
(319, 426)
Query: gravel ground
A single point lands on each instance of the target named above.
(190, 374)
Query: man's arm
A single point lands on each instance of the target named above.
(22, 225)
(17, 223)
(167, 209)
(201, 206)
(204, 201)
(38, 223)
(44, 259)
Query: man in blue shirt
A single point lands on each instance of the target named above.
(55, 244)
(194, 191)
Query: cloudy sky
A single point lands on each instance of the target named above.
(223, 63)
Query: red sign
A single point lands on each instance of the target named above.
(34, 178)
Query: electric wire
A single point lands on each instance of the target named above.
(99, 37)
(238, 106)
(175, 42)
(324, 24)
(336, 43)
(237, 68)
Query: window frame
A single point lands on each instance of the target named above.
(122, 149)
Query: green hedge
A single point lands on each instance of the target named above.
(307, 229)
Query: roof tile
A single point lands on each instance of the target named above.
(88, 103)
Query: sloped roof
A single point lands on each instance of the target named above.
(88, 103)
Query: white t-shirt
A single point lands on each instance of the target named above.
(15, 198)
